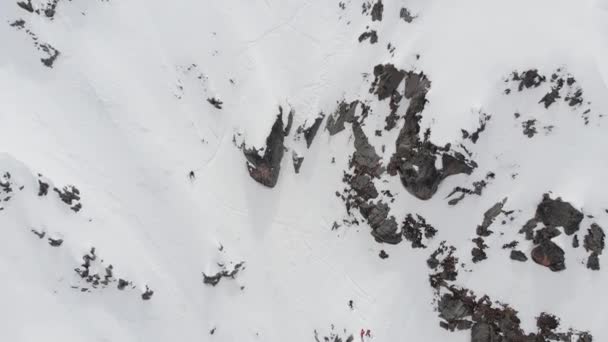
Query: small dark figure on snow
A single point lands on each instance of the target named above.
(191, 175)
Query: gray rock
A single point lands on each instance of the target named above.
(387, 80)
(550, 255)
(311, 132)
(377, 10)
(575, 242)
(364, 187)
(489, 216)
(529, 129)
(265, 168)
(451, 308)
(528, 228)
(484, 332)
(365, 158)
(545, 234)
(594, 240)
(405, 14)
(593, 262)
(384, 228)
(557, 213)
(519, 256)
(372, 35)
(344, 114)
(414, 158)
(297, 162)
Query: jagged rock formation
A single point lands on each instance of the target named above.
(265, 168)
(225, 272)
(415, 158)
(372, 35)
(594, 244)
(415, 229)
(344, 114)
(311, 132)
(377, 10)
(461, 309)
(550, 255)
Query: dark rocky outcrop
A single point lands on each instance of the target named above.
(297, 162)
(545, 234)
(372, 35)
(444, 264)
(561, 84)
(367, 165)
(377, 10)
(575, 242)
(365, 159)
(415, 229)
(529, 129)
(478, 252)
(488, 218)
(594, 240)
(453, 310)
(311, 132)
(510, 245)
(477, 190)
(406, 15)
(594, 243)
(552, 213)
(415, 158)
(528, 79)
(364, 187)
(557, 213)
(122, 284)
(26, 5)
(518, 255)
(484, 332)
(334, 336)
(483, 121)
(223, 273)
(39, 234)
(265, 168)
(19, 24)
(215, 102)
(461, 309)
(53, 54)
(55, 242)
(387, 80)
(147, 295)
(384, 227)
(70, 195)
(550, 255)
(289, 122)
(43, 188)
(344, 114)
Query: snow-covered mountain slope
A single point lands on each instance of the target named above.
(303, 170)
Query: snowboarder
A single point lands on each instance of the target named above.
(191, 175)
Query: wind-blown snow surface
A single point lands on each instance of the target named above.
(123, 116)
